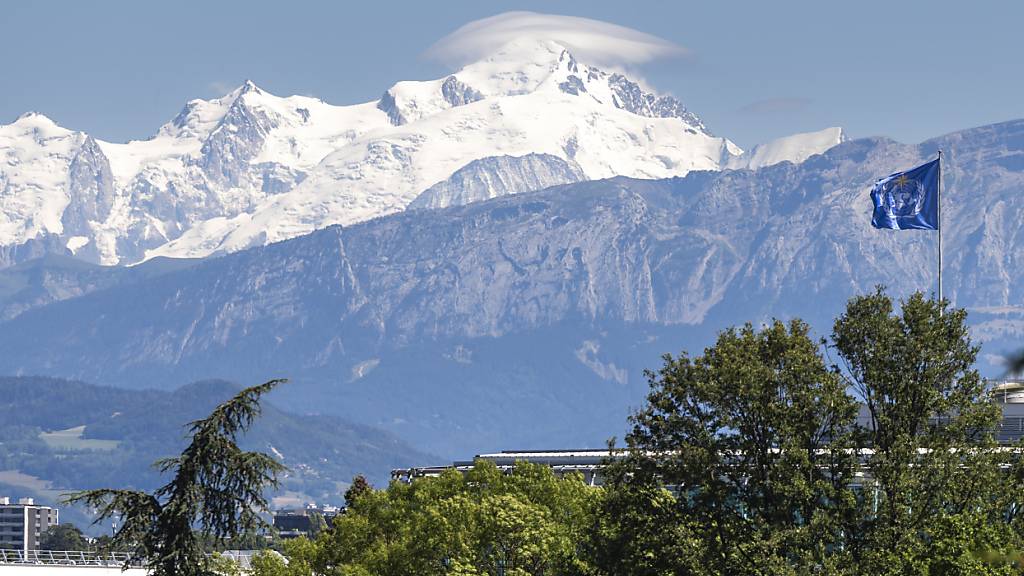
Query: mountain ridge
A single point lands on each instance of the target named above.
(528, 319)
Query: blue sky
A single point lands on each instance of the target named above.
(754, 70)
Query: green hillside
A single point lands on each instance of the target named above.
(59, 435)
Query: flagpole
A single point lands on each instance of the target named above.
(940, 226)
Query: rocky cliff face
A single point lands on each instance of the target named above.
(526, 320)
(236, 141)
(630, 96)
(90, 187)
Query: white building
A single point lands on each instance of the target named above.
(24, 523)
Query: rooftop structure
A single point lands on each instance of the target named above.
(1008, 394)
(586, 462)
(295, 522)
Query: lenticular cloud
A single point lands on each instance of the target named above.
(595, 41)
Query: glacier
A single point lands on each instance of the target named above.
(251, 168)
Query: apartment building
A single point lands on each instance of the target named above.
(23, 524)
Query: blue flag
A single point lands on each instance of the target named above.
(908, 200)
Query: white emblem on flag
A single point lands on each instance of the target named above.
(903, 197)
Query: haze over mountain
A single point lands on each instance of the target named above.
(526, 320)
(250, 167)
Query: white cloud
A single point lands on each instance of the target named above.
(592, 41)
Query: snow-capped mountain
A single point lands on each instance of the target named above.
(251, 168)
(51, 180)
(528, 320)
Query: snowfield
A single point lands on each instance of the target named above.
(251, 168)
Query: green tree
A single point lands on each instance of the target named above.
(359, 487)
(769, 473)
(932, 463)
(639, 530)
(301, 554)
(215, 486)
(272, 564)
(481, 522)
(317, 522)
(754, 439)
(105, 543)
(64, 537)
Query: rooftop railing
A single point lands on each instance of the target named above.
(111, 559)
(66, 558)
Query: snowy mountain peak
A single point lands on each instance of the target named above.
(249, 86)
(518, 67)
(527, 66)
(794, 148)
(29, 116)
(249, 167)
(39, 123)
(200, 117)
(35, 162)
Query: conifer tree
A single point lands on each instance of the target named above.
(216, 489)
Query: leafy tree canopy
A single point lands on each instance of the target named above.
(481, 522)
(64, 537)
(751, 457)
